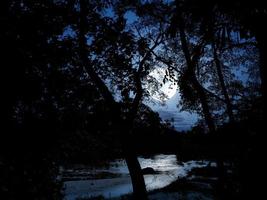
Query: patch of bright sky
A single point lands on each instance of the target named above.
(108, 12)
(241, 70)
(68, 32)
(181, 120)
(167, 107)
(131, 17)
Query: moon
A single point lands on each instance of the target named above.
(164, 91)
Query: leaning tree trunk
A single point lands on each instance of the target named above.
(192, 61)
(129, 153)
(138, 183)
(191, 66)
(133, 165)
(229, 106)
(204, 103)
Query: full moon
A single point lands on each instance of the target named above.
(164, 91)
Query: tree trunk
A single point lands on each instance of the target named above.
(138, 183)
(261, 40)
(191, 66)
(255, 187)
(229, 106)
(204, 104)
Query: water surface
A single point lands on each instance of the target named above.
(119, 183)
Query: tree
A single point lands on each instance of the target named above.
(123, 54)
(29, 61)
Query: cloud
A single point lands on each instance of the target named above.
(181, 120)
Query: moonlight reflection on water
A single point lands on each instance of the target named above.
(166, 165)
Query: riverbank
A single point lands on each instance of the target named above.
(114, 182)
(187, 188)
(199, 184)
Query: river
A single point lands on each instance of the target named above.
(115, 181)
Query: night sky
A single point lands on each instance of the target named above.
(182, 120)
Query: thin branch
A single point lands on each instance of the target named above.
(166, 62)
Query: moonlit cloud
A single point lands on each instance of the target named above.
(181, 120)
